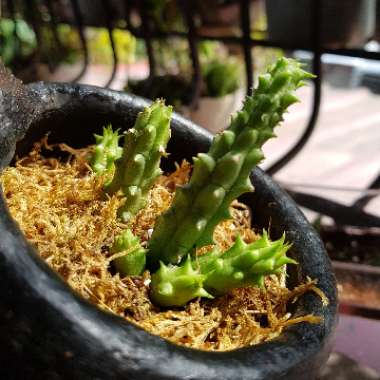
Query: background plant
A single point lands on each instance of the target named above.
(17, 41)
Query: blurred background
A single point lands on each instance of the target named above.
(204, 57)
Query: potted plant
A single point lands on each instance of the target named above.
(221, 91)
(18, 41)
(222, 94)
(63, 335)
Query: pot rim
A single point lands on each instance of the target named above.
(132, 350)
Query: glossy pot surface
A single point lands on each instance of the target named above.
(49, 332)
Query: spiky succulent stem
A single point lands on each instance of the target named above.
(177, 285)
(222, 175)
(216, 273)
(243, 264)
(106, 151)
(133, 262)
(139, 165)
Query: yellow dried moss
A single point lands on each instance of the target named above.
(62, 210)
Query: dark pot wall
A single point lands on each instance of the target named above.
(48, 332)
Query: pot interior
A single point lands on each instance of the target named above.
(77, 121)
(77, 125)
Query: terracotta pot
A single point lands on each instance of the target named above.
(49, 332)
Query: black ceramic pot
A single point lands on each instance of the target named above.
(49, 332)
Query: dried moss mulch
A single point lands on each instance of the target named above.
(63, 212)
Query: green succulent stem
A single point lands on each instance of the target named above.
(222, 175)
(243, 265)
(139, 165)
(177, 285)
(133, 262)
(106, 151)
(217, 273)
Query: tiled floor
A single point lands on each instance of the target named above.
(343, 152)
(359, 338)
(341, 367)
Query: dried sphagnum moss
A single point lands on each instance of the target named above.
(62, 210)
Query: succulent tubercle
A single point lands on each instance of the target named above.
(133, 262)
(216, 273)
(173, 285)
(106, 151)
(139, 165)
(222, 175)
(243, 265)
